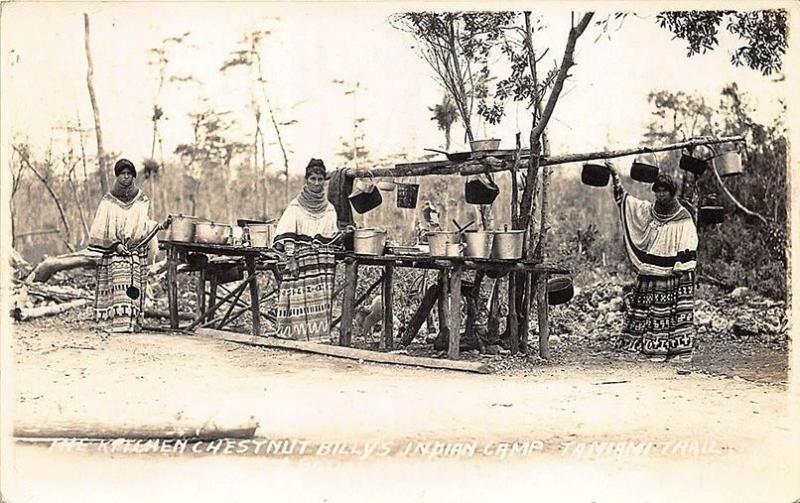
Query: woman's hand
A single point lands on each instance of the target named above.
(611, 167)
(167, 222)
(292, 266)
(122, 249)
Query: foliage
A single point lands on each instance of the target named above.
(763, 32)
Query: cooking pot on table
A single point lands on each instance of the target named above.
(261, 234)
(559, 290)
(507, 244)
(369, 241)
(479, 243)
(212, 233)
(454, 249)
(182, 228)
(438, 241)
(596, 175)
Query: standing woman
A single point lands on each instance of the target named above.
(306, 232)
(661, 242)
(124, 235)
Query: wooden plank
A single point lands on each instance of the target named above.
(421, 314)
(252, 278)
(349, 353)
(542, 310)
(172, 286)
(455, 314)
(348, 302)
(388, 311)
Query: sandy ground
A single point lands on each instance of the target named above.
(589, 429)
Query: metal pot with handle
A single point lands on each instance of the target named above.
(507, 244)
(211, 233)
(479, 243)
(370, 241)
(182, 228)
(438, 241)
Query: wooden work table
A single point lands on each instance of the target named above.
(258, 260)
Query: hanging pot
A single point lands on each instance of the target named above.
(481, 190)
(559, 290)
(645, 168)
(595, 175)
(697, 161)
(369, 241)
(728, 164)
(365, 197)
(711, 212)
(407, 195)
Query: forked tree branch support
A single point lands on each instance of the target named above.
(494, 165)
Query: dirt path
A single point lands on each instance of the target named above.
(586, 425)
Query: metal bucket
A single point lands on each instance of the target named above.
(438, 242)
(507, 244)
(479, 243)
(261, 235)
(728, 164)
(454, 249)
(369, 241)
(181, 228)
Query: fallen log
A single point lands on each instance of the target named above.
(86, 430)
(60, 293)
(346, 352)
(25, 314)
(51, 265)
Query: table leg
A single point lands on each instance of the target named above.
(388, 311)
(455, 313)
(250, 261)
(201, 292)
(543, 309)
(443, 307)
(212, 294)
(348, 302)
(172, 286)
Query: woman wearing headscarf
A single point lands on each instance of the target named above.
(123, 234)
(661, 243)
(306, 234)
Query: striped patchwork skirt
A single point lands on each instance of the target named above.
(304, 301)
(659, 318)
(113, 305)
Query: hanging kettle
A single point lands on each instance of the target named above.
(645, 168)
(595, 174)
(711, 212)
(481, 190)
(697, 160)
(365, 197)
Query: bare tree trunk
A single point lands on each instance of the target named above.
(55, 198)
(80, 208)
(101, 156)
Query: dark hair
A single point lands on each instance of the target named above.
(123, 164)
(315, 166)
(665, 182)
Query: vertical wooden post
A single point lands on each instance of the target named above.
(542, 310)
(172, 285)
(455, 313)
(388, 311)
(201, 292)
(255, 310)
(348, 301)
(525, 318)
(443, 306)
(212, 294)
(513, 319)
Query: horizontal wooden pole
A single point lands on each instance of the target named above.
(346, 352)
(505, 162)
